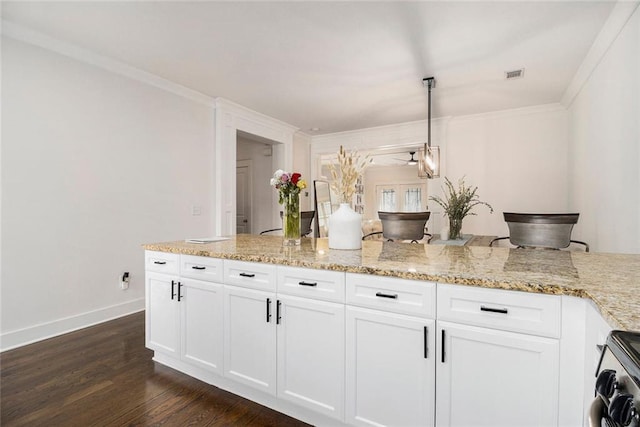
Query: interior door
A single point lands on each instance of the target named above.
(243, 197)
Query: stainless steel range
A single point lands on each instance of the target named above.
(617, 401)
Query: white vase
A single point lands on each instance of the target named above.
(345, 228)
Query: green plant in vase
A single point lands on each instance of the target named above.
(289, 186)
(457, 204)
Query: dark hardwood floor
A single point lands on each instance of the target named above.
(104, 376)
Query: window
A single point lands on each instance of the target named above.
(412, 199)
(400, 197)
(387, 201)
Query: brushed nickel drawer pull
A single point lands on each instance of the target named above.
(494, 310)
(382, 295)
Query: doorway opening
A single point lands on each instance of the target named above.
(255, 199)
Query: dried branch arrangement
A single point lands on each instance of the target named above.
(345, 173)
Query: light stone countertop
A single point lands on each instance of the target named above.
(611, 281)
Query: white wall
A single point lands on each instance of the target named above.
(518, 159)
(93, 165)
(605, 148)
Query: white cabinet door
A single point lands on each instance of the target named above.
(390, 369)
(487, 377)
(162, 313)
(201, 326)
(250, 337)
(311, 354)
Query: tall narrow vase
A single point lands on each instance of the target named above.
(291, 220)
(455, 227)
(345, 228)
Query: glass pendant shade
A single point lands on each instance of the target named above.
(429, 162)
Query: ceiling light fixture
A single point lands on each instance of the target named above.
(429, 161)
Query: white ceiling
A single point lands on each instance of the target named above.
(339, 65)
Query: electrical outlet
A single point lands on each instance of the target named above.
(124, 280)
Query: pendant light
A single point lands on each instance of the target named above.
(429, 164)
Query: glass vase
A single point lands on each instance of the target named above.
(455, 227)
(291, 220)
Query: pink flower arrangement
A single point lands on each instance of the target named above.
(287, 183)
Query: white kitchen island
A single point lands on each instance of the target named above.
(393, 334)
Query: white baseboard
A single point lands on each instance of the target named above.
(20, 337)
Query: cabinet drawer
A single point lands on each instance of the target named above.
(523, 312)
(310, 283)
(391, 294)
(201, 268)
(250, 275)
(161, 262)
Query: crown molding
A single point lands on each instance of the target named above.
(617, 20)
(411, 133)
(379, 137)
(242, 111)
(512, 112)
(35, 38)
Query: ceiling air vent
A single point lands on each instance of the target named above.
(515, 74)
